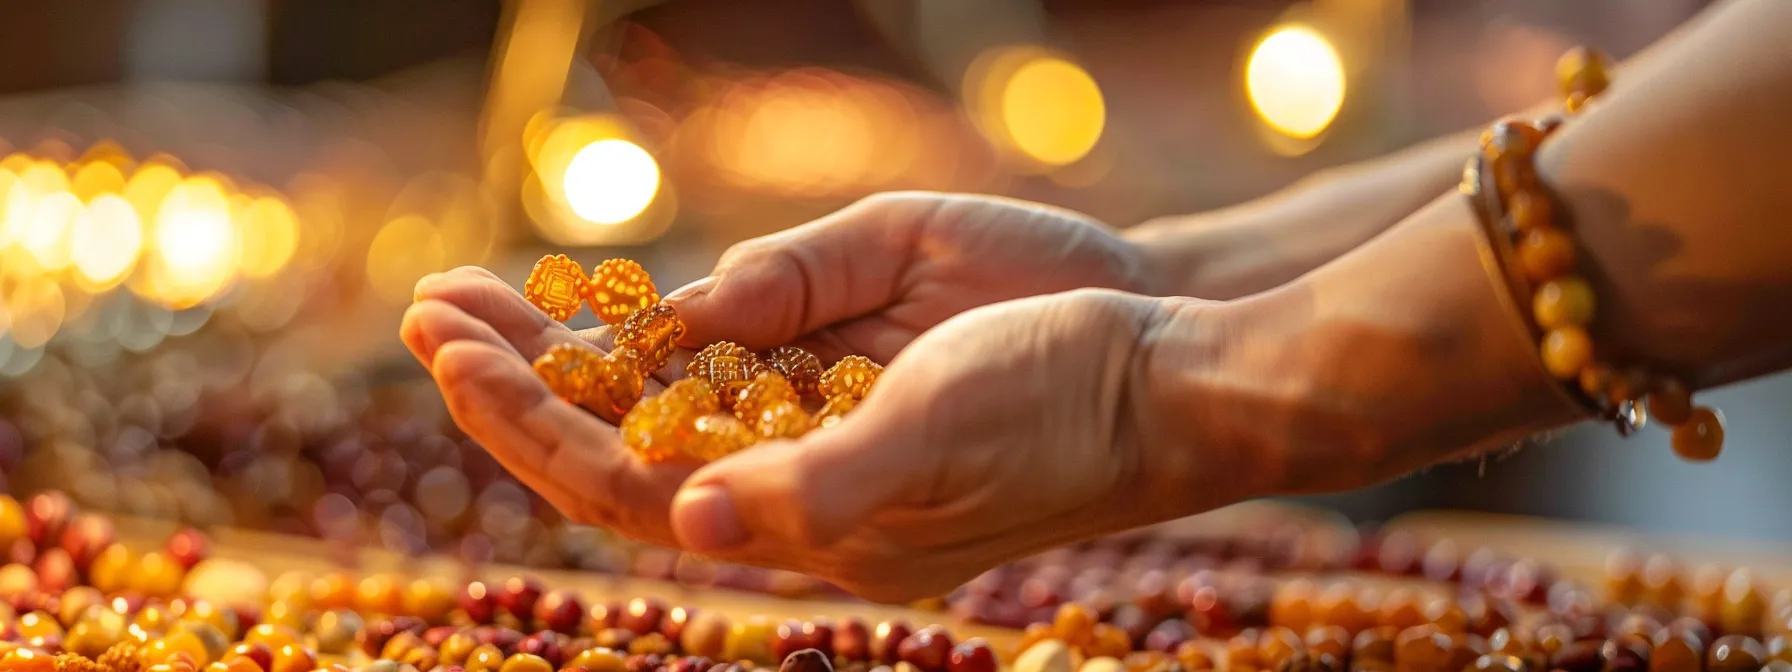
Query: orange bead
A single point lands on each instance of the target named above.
(1529, 210)
(618, 288)
(653, 334)
(1576, 102)
(1566, 351)
(1701, 436)
(1512, 174)
(1074, 623)
(1630, 385)
(834, 410)
(717, 435)
(1670, 402)
(727, 367)
(379, 594)
(556, 285)
(1582, 71)
(852, 376)
(783, 420)
(1545, 254)
(1292, 605)
(1563, 302)
(1596, 380)
(1510, 137)
(606, 384)
(657, 428)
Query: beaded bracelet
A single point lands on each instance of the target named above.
(1537, 255)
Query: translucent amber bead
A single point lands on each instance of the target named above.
(1596, 380)
(835, 409)
(608, 384)
(852, 376)
(1582, 71)
(1671, 402)
(656, 428)
(1528, 210)
(1545, 254)
(783, 420)
(1701, 436)
(618, 288)
(1576, 102)
(557, 286)
(718, 435)
(1566, 351)
(1510, 137)
(728, 368)
(801, 367)
(1563, 302)
(653, 335)
(767, 389)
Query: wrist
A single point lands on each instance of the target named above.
(1397, 355)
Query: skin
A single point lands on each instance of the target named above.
(1037, 393)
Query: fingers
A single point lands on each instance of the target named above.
(807, 493)
(430, 324)
(483, 296)
(573, 459)
(769, 291)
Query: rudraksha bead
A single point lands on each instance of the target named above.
(727, 367)
(801, 367)
(557, 286)
(653, 335)
(618, 288)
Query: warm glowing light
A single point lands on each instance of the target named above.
(1052, 110)
(611, 181)
(36, 309)
(148, 186)
(195, 249)
(270, 234)
(104, 242)
(1295, 81)
(96, 178)
(45, 232)
(404, 250)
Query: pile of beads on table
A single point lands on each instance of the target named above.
(730, 397)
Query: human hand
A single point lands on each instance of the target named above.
(872, 277)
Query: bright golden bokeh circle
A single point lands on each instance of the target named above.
(1295, 81)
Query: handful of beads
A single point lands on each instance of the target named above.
(731, 397)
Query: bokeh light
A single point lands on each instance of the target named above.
(404, 250)
(270, 234)
(1295, 81)
(1038, 107)
(105, 242)
(1053, 110)
(195, 247)
(611, 181)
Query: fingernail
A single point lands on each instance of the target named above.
(417, 292)
(706, 519)
(693, 290)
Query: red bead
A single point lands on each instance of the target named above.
(972, 655)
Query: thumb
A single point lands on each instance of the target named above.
(806, 493)
(771, 290)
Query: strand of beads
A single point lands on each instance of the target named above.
(731, 397)
(1562, 303)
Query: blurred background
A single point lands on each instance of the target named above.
(212, 212)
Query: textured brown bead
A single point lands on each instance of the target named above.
(1701, 437)
(718, 435)
(1743, 604)
(653, 334)
(1584, 71)
(618, 288)
(557, 286)
(727, 367)
(1545, 254)
(657, 428)
(1566, 301)
(1529, 210)
(801, 367)
(1566, 351)
(1670, 402)
(1735, 653)
(852, 376)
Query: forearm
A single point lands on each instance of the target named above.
(1262, 244)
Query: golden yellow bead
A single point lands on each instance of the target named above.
(523, 662)
(599, 660)
(1583, 71)
(486, 658)
(1670, 402)
(1563, 302)
(1545, 254)
(852, 376)
(1701, 437)
(1566, 351)
(717, 435)
(557, 286)
(618, 288)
